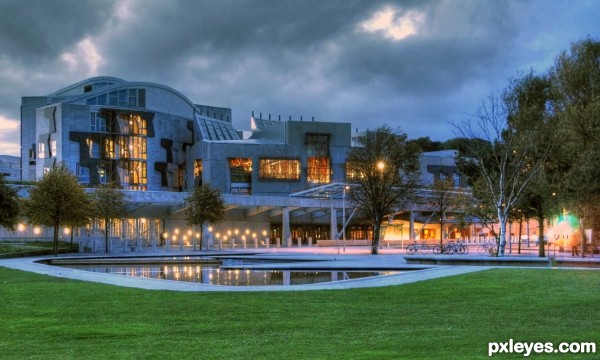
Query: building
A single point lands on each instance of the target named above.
(156, 144)
(10, 167)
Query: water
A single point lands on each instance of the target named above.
(214, 275)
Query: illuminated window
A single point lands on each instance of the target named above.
(52, 148)
(133, 173)
(353, 172)
(109, 148)
(93, 149)
(41, 150)
(197, 168)
(319, 171)
(279, 169)
(132, 124)
(240, 170)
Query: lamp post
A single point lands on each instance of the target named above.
(346, 187)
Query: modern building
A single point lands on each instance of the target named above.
(156, 144)
(10, 167)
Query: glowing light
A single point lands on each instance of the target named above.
(21, 227)
(66, 231)
(380, 165)
(37, 230)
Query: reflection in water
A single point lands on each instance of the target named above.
(214, 275)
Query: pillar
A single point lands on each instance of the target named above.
(411, 225)
(333, 225)
(285, 228)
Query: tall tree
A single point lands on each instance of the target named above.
(445, 197)
(507, 161)
(575, 81)
(108, 204)
(385, 168)
(9, 205)
(204, 205)
(530, 112)
(57, 200)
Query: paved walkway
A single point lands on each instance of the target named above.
(324, 258)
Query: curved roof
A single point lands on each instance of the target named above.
(90, 81)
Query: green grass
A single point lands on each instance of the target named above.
(44, 317)
(16, 246)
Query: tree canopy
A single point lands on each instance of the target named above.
(385, 169)
(9, 205)
(58, 200)
(108, 204)
(204, 205)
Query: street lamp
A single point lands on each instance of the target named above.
(346, 187)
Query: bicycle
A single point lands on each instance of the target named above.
(488, 247)
(416, 247)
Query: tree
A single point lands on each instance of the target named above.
(9, 205)
(444, 197)
(385, 169)
(509, 158)
(108, 204)
(204, 205)
(57, 200)
(575, 80)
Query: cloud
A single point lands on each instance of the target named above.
(407, 63)
(10, 131)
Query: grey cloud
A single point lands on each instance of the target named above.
(32, 31)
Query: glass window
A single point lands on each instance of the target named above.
(198, 168)
(41, 150)
(279, 169)
(102, 99)
(353, 172)
(317, 145)
(240, 170)
(113, 98)
(93, 149)
(319, 171)
(52, 148)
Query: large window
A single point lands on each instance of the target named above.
(133, 175)
(279, 169)
(97, 123)
(240, 170)
(132, 124)
(319, 171)
(93, 149)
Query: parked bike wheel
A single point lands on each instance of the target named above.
(482, 249)
(437, 249)
(424, 249)
(410, 250)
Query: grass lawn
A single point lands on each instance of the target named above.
(16, 246)
(44, 317)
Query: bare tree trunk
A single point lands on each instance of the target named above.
(375, 243)
(541, 249)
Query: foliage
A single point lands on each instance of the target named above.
(515, 129)
(459, 314)
(387, 171)
(108, 204)
(9, 205)
(204, 205)
(575, 80)
(58, 200)
(444, 197)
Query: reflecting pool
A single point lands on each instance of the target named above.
(213, 274)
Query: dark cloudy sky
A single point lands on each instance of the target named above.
(416, 65)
